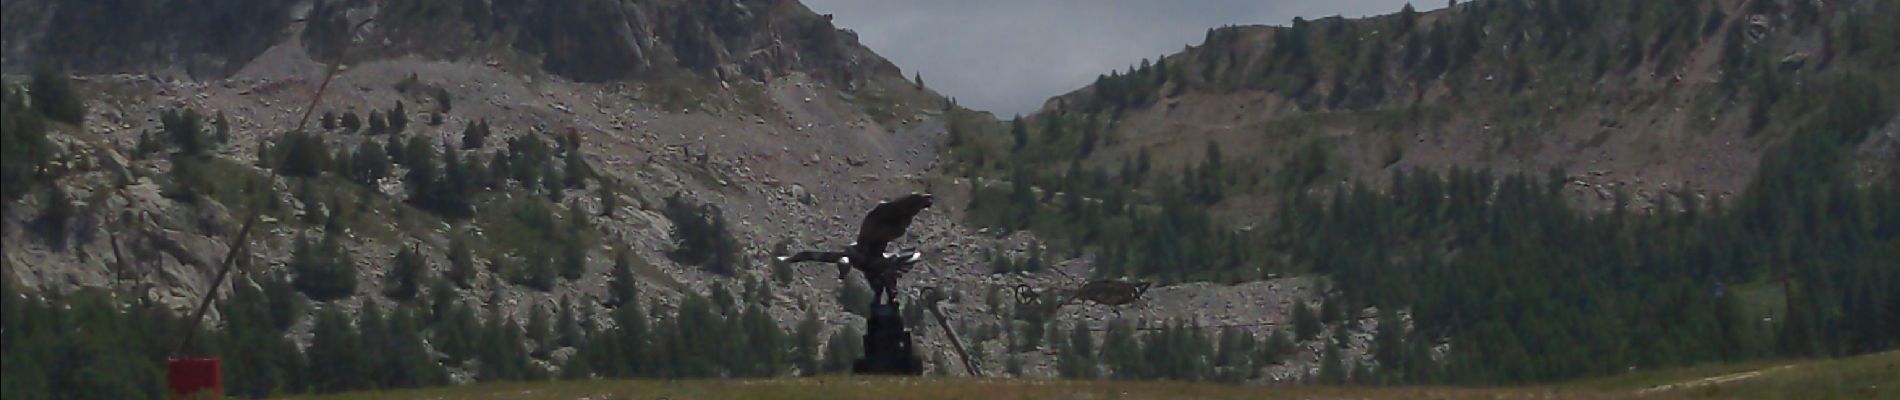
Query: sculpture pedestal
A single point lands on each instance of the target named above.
(887, 345)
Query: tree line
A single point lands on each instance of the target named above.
(95, 344)
(1793, 266)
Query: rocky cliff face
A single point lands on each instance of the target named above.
(591, 40)
(611, 40)
(200, 38)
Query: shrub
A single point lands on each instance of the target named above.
(55, 97)
(700, 236)
(324, 271)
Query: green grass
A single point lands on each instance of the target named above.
(519, 223)
(1875, 376)
(233, 185)
(1647, 379)
(369, 213)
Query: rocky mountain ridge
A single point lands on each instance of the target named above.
(1621, 96)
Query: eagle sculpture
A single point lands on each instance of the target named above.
(870, 254)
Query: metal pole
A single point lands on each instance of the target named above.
(239, 243)
(969, 364)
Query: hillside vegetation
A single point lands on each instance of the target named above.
(1483, 167)
(498, 194)
(449, 214)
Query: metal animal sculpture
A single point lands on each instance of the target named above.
(1033, 305)
(869, 254)
(1111, 293)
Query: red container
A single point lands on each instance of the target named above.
(195, 378)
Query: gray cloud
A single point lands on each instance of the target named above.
(1009, 56)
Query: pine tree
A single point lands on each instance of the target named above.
(551, 183)
(186, 129)
(461, 262)
(369, 164)
(55, 97)
(573, 249)
(536, 271)
(54, 220)
(609, 200)
(351, 122)
(623, 288)
(1389, 345)
(473, 136)
(1332, 370)
(701, 236)
(377, 124)
(413, 364)
(379, 370)
(575, 172)
(323, 271)
(24, 150)
(1019, 132)
(396, 151)
(765, 342)
(540, 331)
(1082, 345)
(567, 328)
(842, 350)
(442, 99)
(1306, 324)
(1279, 346)
(453, 190)
(281, 299)
(805, 340)
(221, 128)
(632, 330)
(405, 276)
(336, 357)
(398, 118)
(1001, 263)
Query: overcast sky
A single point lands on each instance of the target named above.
(1008, 56)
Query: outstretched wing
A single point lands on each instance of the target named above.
(1112, 293)
(803, 256)
(889, 220)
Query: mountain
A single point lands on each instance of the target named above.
(480, 177)
(1612, 100)
(586, 41)
(1619, 95)
(1551, 188)
(519, 190)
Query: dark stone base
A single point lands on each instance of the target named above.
(887, 345)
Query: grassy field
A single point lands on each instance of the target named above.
(1874, 376)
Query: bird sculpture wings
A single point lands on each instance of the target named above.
(889, 220)
(820, 256)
